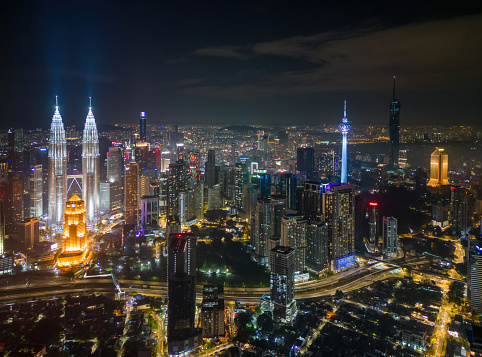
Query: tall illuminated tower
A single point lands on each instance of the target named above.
(344, 129)
(57, 189)
(142, 127)
(75, 231)
(394, 131)
(439, 163)
(90, 169)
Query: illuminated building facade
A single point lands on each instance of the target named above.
(29, 232)
(143, 127)
(293, 235)
(474, 276)
(344, 127)
(373, 226)
(394, 131)
(340, 216)
(390, 241)
(91, 169)
(439, 167)
(74, 240)
(57, 189)
(36, 191)
(282, 282)
(131, 196)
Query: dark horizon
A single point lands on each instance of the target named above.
(225, 63)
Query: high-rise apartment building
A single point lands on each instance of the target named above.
(57, 191)
(293, 235)
(176, 183)
(439, 168)
(317, 249)
(390, 241)
(474, 276)
(131, 196)
(282, 282)
(394, 131)
(91, 169)
(212, 311)
(340, 216)
(373, 226)
(261, 230)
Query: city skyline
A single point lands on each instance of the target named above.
(284, 65)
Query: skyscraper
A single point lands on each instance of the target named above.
(90, 169)
(261, 230)
(182, 336)
(459, 209)
(176, 183)
(57, 177)
(344, 129)
(293, 235)
(131, 197)
(390, 225)
(373, 226)
(439, 168)
(282, 282)
(210, 169)
(394, 131)
(340, 216)
(36, 191)
(305, 162)
(142, 127)
(474, 276)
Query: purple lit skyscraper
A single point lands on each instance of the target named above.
(344, 129)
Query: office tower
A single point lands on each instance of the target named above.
(264, 186)
(313, 202)
(182, 336)
(28, 233)
(91, 169)
(214, 197)
(439, 163)
(250, 196)
(74, 240)
(115, 164)
(390, 236)
(212, 311)
(239, 181)
(150, 211)
(282, 282)
(288, 185)
(193, 164)
(232, 155)
(143, 127)
(57, 191)
(340, 216)
(131, 196)
(13, 211)
(373, 226)
(173, 225)
(144, 186)
(474, 276)
(278, 208)
(317, 249)
(459, 209)
(210, 169)
(394, 131)
(420, 180)
(36, 191)
(104, 192)
(345, 127)
(176, 183)
(293, 235)
(305, 162)
(261, 230)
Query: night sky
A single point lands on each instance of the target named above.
(247, 62)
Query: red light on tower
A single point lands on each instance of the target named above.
(374, 204)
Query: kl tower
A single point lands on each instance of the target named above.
(344, 129)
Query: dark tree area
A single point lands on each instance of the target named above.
(456, 293)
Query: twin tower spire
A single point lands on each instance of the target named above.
(58, 190)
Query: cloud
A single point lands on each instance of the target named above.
(233, 52)
(435, 55)
(178, 60)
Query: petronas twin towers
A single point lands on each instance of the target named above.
(57, 191)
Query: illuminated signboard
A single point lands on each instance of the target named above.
(345, 262)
